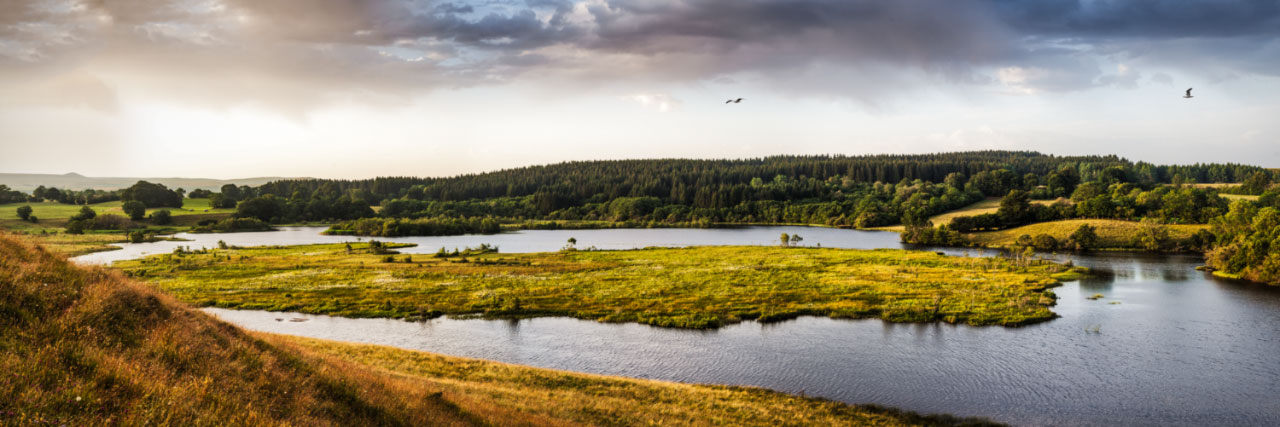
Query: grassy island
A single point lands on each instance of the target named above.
(701, 287)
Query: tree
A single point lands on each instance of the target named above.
(86, 213)
(1084, 238)
(24, 212)
(786, 239)
(795, 239)
(161, 217)
(266, 208)
(1152, 235)
(1015, 208)
(154, 195)
(571, 243)
(1256, 183)
(75, 226)
(134, 209)
(1044, 242)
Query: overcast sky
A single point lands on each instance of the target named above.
(362, 88)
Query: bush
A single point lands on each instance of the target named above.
(134, 209)
(1084, 238)
(86, 213)
(137, 237)
(233, 225)
(109, 222)
(75, 226)
(1152, 236)
(1045, 242)
(161, 217)
(24, 212)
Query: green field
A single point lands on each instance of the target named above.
(62, 211)
(698, 287)
(1112, 233)
(53, 216)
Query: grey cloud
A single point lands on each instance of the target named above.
(299, 53)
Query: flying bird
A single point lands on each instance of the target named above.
(1188, 95)
(733, 101)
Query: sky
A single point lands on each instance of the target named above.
(364, 88)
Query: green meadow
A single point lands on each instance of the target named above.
(702, 287)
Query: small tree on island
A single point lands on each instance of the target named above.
(571, 244)
(795, 239)
(786, 239)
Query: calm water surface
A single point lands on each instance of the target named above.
(1178, 348)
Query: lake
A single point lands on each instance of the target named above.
(1166, 345)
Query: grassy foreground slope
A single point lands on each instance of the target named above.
(86, 346)
(1112, 233)
(698, 287)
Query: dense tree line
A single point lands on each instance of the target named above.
(1248, 242)
(8, 195)
(1168, 204)
(720, 183)
(417, 227)
(82, 197)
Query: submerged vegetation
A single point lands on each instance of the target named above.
(87, 346)
(699, 287)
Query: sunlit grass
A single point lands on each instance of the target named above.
(986, 206)
(697, 287)
(1112, 233)
(531, 393)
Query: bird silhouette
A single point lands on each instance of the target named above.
(1188, 95)
(733, 101)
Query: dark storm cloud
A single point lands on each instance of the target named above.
(299, 50)
(1142, 19)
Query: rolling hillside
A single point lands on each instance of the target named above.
(25, 182)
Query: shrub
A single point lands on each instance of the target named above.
(75, 226)
(86, 213)
(161, 217)
(1084, 238)
(24, 212)
(1045, 242)
(110, 222)
(134, 209)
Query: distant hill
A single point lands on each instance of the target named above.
(25, 182)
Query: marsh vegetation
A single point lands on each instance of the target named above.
(699, 287)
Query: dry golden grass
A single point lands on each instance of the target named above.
(541, 396)
(1112, 233)
(87, 346)
(989, 205)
